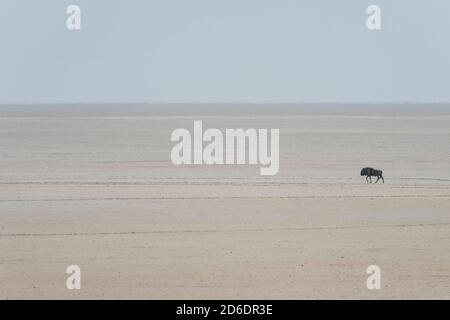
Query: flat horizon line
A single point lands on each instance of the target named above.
(399, 103)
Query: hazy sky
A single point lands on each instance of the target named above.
(224, 51)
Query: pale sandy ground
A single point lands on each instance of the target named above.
(96, 188)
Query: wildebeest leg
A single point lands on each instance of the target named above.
(382, 178)
(367, 179)
(377, 179)
(370, 178)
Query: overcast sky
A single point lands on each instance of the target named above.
(224, 51)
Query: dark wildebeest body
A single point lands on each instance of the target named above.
(371, 172)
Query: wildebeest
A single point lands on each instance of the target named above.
(371, 172)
